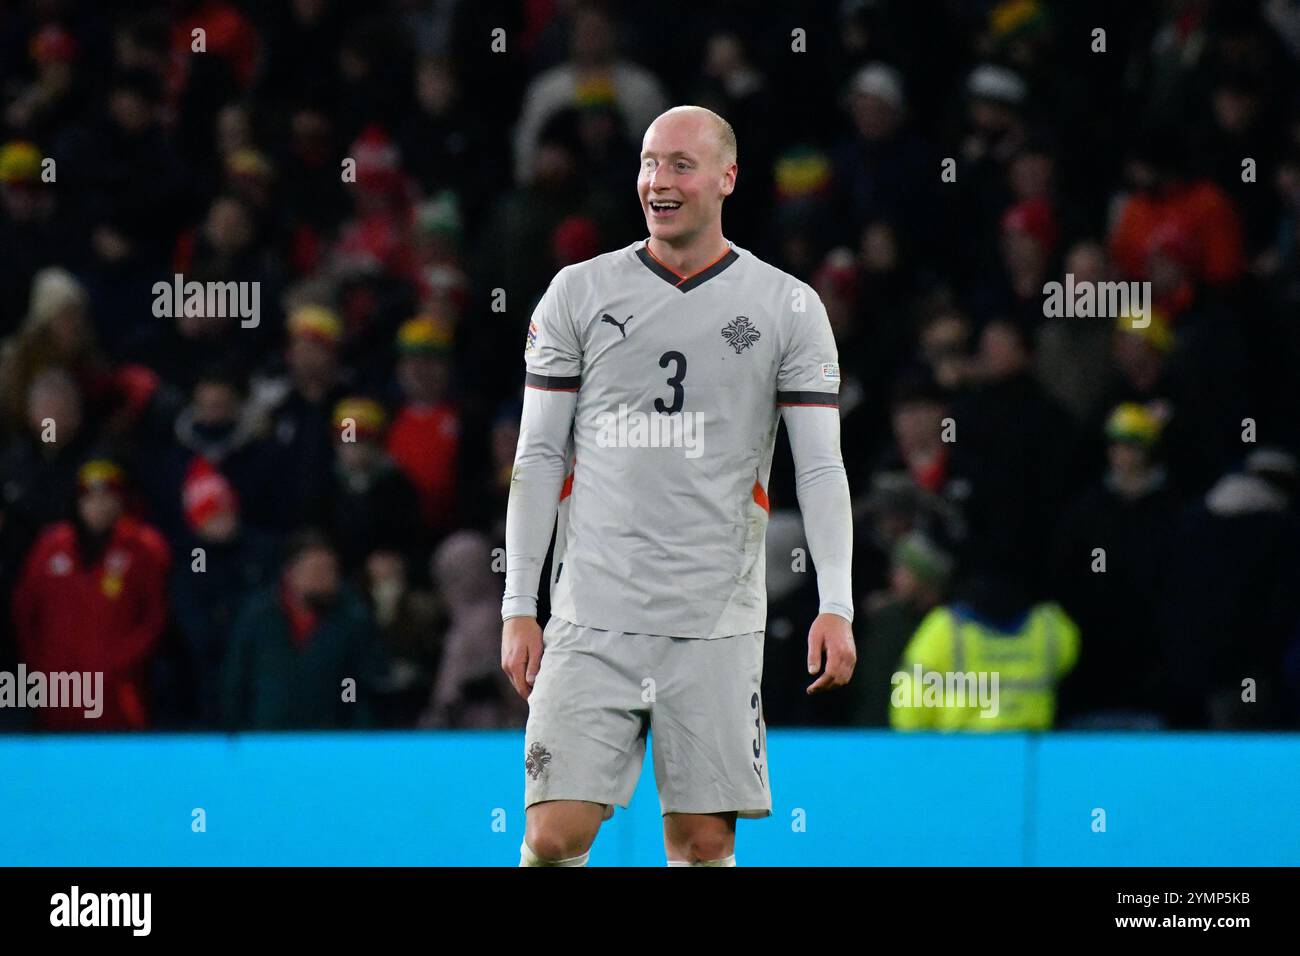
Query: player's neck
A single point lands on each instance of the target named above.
(686, 260)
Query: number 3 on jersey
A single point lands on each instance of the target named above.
(674, 382)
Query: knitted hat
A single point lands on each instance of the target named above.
(440, 216)
(101, 473)
(1134, 424)
(881, 81)
(595, 93)
(990, 82)
(423, 335)
(20, 162)
(53, 44)
(1035, 217)
(1014, 19)
(53, 290)
(379, 162)
(250, 163)
(838, 272)
(367, 414)
(206, 493)
(1154, 329)
(316, 323)
(801, 171)
(925, 559)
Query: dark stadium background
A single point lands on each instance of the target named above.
(226, 165)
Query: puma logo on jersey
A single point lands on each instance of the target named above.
(606, 317)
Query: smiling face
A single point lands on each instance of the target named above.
(686, 172)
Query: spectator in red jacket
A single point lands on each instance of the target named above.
(1166, 196)
(425, 437)
(92, 598)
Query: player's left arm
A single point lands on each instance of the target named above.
(808, 394)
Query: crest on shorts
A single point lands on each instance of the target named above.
(740, 333)
(537, 759)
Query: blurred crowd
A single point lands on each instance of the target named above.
(296, 522)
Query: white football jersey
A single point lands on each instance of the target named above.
(679, 383)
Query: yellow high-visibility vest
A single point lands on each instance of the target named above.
(958, 673)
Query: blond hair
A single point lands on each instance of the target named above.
(726, 135)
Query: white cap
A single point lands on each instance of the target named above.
(996, 83)
(881, 80)
(1276, 460)
(54, 289)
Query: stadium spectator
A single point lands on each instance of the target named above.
(485, 510)
(885, 172)
(369, 504)
(994, 132)
(733, 85)
(439, 232)
(1232, 603)
(195, 337)
(804, 220)
(446, 143)
(127, 194)
(56, 93)
(917, 412)
(1165, 196)
(944, 345)
(524, 219)
(56, 332)
(410, 626)
(594, 69)
(425, 436)
(1109, 565)
(1073, 362)
(848, 292)
(1014, 454)
(300, 426)
(313, 194)
(220, 426)
(377, 237)
(918, 583)
(302, 652)
(301, 42)
(38, 470)
(471, 689)
(32, 233)
(209, 587)
(990, 661)
(1029, 236)
(93, 599)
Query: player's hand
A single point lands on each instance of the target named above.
(521, 652)
(831, 636)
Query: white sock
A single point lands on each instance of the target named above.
(725, 861)
(528, 858)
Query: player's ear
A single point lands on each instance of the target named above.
(729, 179)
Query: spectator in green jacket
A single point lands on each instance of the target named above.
(303, 653)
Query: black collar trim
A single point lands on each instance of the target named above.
(685, 283)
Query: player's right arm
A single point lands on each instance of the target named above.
(553, 365)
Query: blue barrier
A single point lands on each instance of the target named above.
(840, 798)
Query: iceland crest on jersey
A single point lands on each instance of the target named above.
(740, 333)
